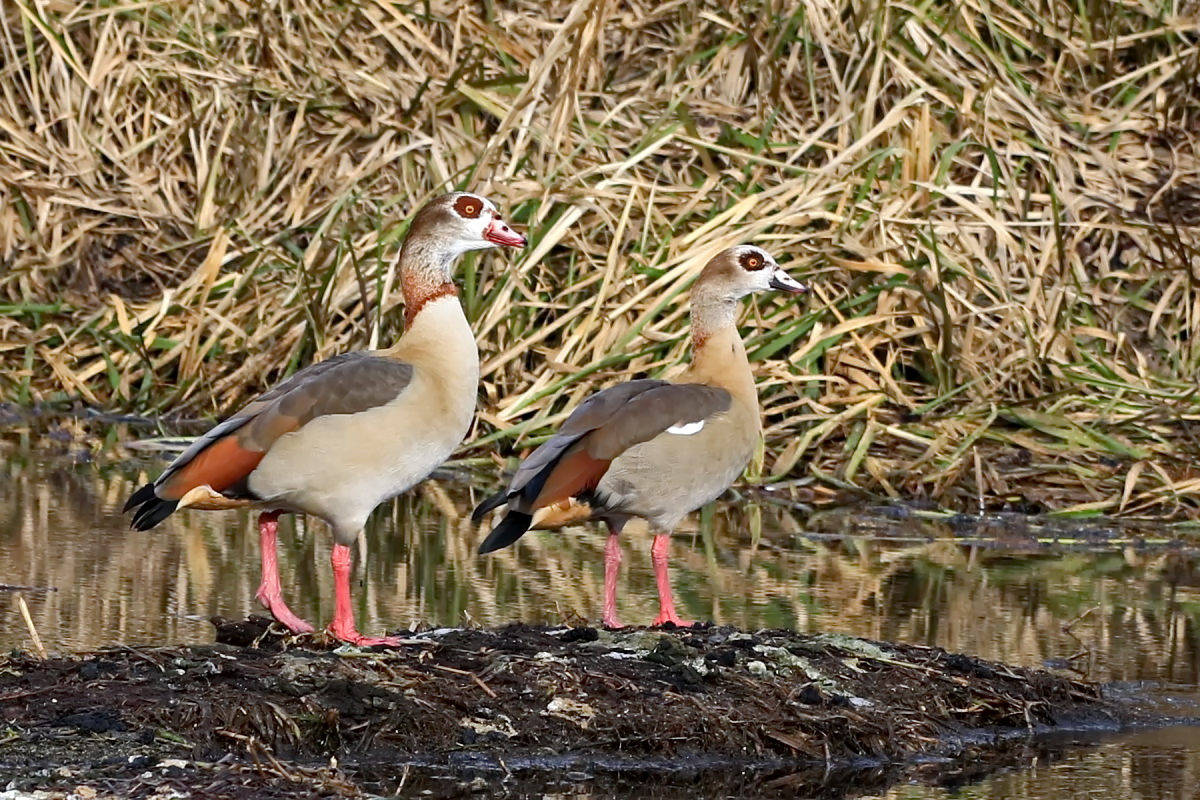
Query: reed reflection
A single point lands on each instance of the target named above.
(1134, 611)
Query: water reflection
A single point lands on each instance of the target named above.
(1132, 612)
(1114, 608)
(1162, 764)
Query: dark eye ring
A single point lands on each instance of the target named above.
(468, 206)
(751, 261)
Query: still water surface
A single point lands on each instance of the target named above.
(1118, 605)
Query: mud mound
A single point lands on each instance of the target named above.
(554, 704)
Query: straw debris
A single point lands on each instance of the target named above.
(516, 701)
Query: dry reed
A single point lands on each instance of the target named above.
(997, 200)
(34, 637)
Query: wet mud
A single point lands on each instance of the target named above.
(521, 709)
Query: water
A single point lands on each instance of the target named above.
(1144, 765)
(1115, 610)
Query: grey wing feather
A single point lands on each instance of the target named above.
(652, 412)
(343, 384)
(610, 422)
(593, 412)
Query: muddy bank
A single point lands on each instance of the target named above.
(769, 712)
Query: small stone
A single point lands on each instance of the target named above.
(581, 634)
(669, 652)
(102, 721)
(784, 660)
(810, 695)
(724, 657)
(687, 677)
(742, 640)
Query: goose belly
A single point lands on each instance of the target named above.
(341, 467)
(664, 479)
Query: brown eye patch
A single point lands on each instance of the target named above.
(468, 206)
(751, 261)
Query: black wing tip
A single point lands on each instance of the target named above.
(493, 502)
(511, 528)
(150, 508)
(138, 498)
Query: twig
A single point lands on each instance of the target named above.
(483, 686)
(33, 634)
(4, 698)
(1067, 627)
(468, 674)
(978, 480)
(1084, 650)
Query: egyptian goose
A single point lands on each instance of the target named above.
(650, 448)
(341, 436)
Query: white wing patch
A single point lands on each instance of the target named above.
(686, 428)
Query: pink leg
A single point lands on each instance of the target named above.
(269, 591)
(666, 603)
(343, 626)
(612, 566)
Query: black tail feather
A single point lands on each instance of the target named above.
(137, 498)
(511, 528)
(495, 501)
(150, 508)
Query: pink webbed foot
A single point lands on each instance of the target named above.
(352, 636)
(269, 592)
(666, 602)
(342, 627)
(611, 623)
(282, 614)
(668, 615)
(612, 567)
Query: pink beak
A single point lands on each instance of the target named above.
(498, 231)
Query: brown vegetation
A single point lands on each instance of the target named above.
(997, 201)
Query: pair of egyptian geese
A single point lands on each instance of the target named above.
(343, 435)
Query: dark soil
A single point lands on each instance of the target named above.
(518, 709)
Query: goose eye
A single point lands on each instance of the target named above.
(468, 207)
(751, 261)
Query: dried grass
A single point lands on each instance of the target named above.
(998, 201)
